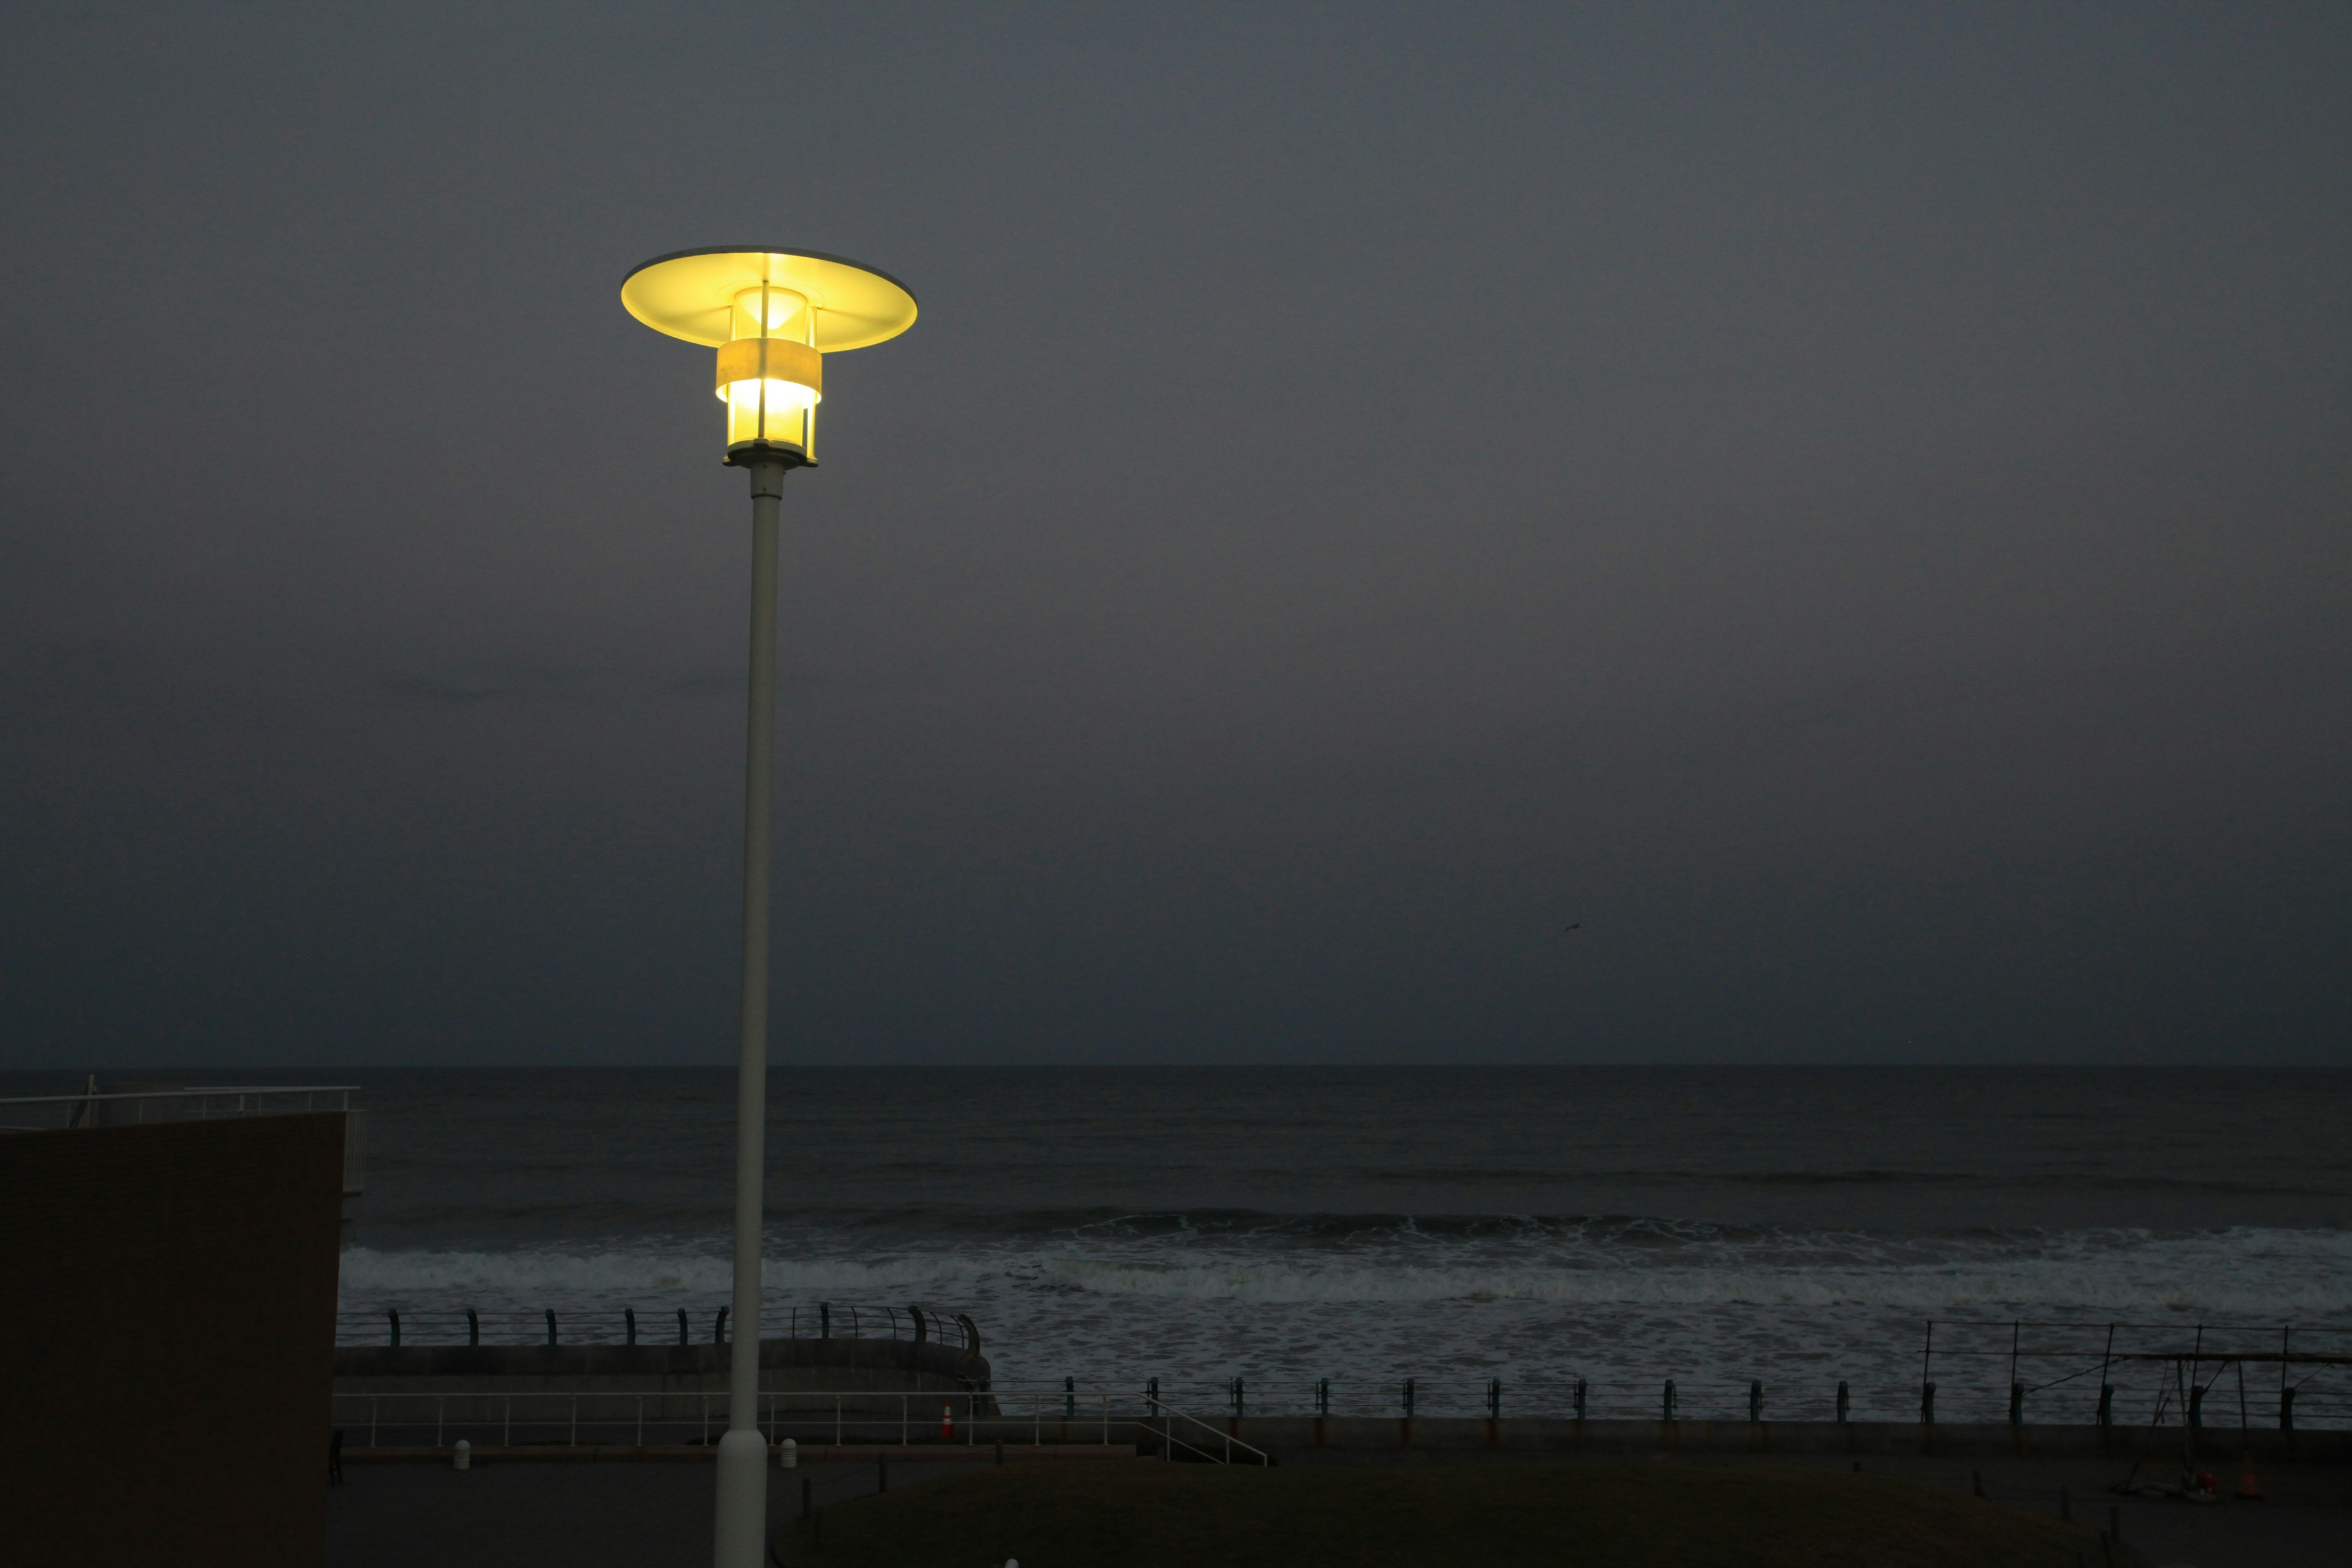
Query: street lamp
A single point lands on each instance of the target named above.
(772, 315)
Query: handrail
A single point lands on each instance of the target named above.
(1162, 1411)
(850, 1410)
(199, 1090)
(608, 1323)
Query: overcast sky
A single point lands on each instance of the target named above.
(1849, 503)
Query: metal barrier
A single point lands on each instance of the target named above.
(966, 1418)
(196, 1102)
(622, 1325)
(2155, 1374)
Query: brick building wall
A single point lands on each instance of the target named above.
(167, 1326)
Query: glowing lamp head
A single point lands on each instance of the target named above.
(772, 315)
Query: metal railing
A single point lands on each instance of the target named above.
(193, 1103)
(705, 1323)
(2116, 1374)
(2121, 1373)
(967, 1418)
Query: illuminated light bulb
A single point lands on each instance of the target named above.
(783, 396)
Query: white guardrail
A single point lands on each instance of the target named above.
(968, 1419)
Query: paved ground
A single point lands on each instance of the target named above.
(520, 1515)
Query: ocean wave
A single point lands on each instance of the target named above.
(2261, 1273)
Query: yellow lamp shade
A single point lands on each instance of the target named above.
(772, 315)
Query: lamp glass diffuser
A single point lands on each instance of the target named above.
(771, 376)
(772, 315)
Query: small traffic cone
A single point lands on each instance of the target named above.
(947, 1423)
(2249, 1490)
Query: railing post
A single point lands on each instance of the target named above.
(2017, 1405)
(2107, 1404)
(2286, 1409)
(1579, 1398)
(1669, 1406)
(1755, 1400)
(630, 1315)
(1845, 1403)
(719, 1327)
(2196, 1407)
(393, 1317)
(551, 1325)
(1322, 1396)
(1069, 1399)
(1493, 1399)
(681, 1325)
(1927, 1404)
(473, 1327)
(1408, 1399)
(824, 1320)
(1233, 1391)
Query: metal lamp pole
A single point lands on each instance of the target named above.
(742, 1511)
(772, 315)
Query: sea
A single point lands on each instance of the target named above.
(1499, 1236)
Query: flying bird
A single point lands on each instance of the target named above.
(1578, 926)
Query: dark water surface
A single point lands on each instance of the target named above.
(1537, 1224)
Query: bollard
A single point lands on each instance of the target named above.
(1927, 1404)
(473, 1327)
(2107, 1404)
(681, 1325)
(461, 1457)
(1069, 1399)
(1755, 1400)
(1580, 1399)
(1408, 1399)
(1845, 1403)
(1493, 1399)
(1670, 1400)
(551, 1325)
(2017, 1405)
(2286, 1409)
(824, 1320)
(629, 1314)
(395, 1318)
(1322, 1396)
(788, 1454)
(719, 1327)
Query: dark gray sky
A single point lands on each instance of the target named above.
(1848, 502)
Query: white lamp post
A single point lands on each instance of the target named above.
(772, 315)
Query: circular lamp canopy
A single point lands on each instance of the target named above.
(772, 315)
(689, 293)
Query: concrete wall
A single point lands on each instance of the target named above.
(168, 1320)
